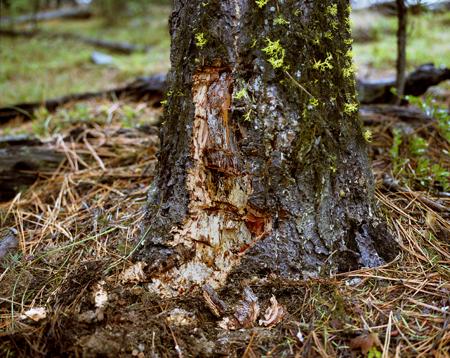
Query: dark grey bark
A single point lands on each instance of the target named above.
(401, 48)
(263, 165)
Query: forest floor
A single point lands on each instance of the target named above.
(79, 227)
(69, 290)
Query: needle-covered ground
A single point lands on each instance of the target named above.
(78, 228)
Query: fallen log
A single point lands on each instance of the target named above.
(417, 83)
(153, 87)
(67, 13)
(120, 47)
(150, 88)
(22, 161)
(375, 114)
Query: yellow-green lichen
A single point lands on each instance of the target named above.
(350, 108)
(367, 135)
(348, 41)
(325, 64)
(261, 3)
(332, 10)
(348, 71)
(280, 20)
(247, 116)
(242, 93)
(328, 35)
(334, 24)
(313, 102)
(200, 39)
(275, 52)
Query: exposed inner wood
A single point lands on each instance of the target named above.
(221, 225)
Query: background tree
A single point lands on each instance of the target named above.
(263, 165)
(402, 11)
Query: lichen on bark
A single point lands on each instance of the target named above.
(289, 191)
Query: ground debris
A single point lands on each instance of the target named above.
(36, 314)
(134, 273)
(274, 314)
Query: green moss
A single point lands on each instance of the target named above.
(275, 52)
(200, 39)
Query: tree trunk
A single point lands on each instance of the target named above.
(401, 49)
(263, 164)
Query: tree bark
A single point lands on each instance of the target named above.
(263, 165)
(401, 49)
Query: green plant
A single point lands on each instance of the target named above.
(395, 149)
(417, 145)
(433, 109)
(441, 176)
(374, 353)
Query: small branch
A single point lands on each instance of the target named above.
(298, 84)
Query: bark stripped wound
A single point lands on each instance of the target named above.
(221, 225)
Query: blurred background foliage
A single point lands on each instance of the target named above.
(37, 68)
